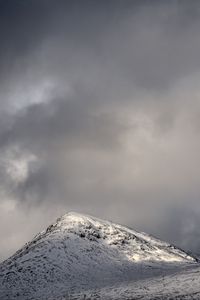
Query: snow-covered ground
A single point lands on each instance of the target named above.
(84, 257)
(181, 285)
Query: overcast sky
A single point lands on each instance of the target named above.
(100, 114)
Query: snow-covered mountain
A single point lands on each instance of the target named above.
(79, 253)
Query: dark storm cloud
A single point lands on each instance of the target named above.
(96, 112)
(118, 44)
(50, 131)
(181, 224)
(40, 125)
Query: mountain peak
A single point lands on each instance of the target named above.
(136, 246)
(73, 219)
(79, 250)
(74, 216)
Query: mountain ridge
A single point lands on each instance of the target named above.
(79, 252)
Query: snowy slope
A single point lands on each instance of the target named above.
(79, 253)
(184, 284)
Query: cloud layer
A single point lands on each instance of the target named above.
(100, 114)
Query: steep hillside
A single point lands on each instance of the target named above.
(79, 253)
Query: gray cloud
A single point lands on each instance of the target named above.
(100, 113)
